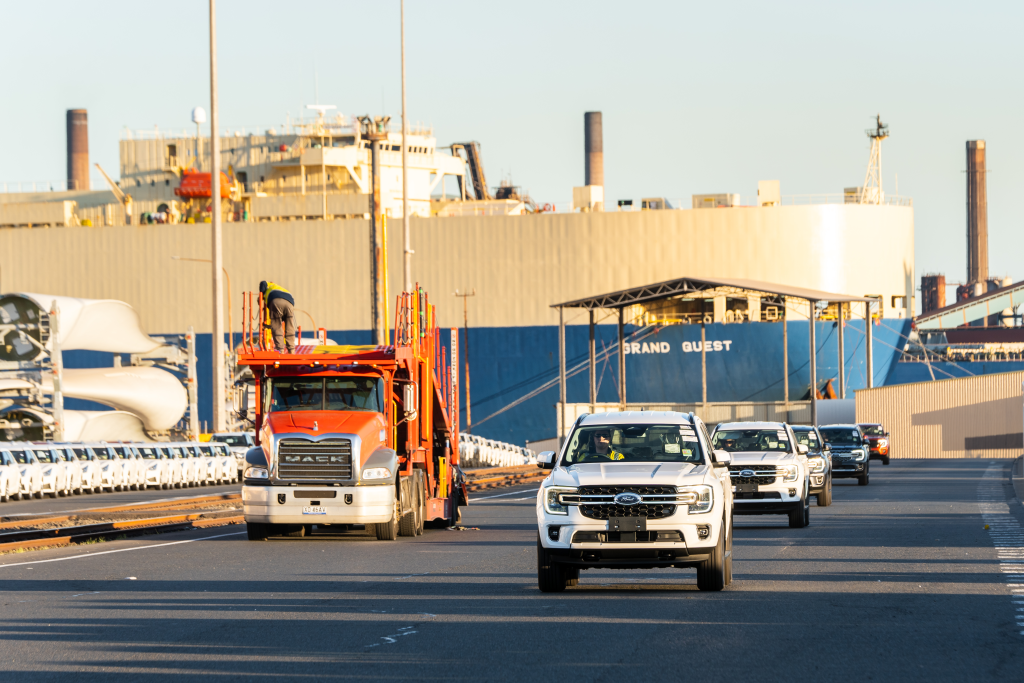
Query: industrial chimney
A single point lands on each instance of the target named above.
(593, 142)
(78, 149)
(977, 214)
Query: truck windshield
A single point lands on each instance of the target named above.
(326, 393)
(633, 443)
(843, 435)
(750, 440)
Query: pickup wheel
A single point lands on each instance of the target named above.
(388, 531)
(712, 572)
(863, 480)
(885, 460)
(800, 517)
(825, 497)
(551, 576)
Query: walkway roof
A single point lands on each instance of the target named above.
(693, 286)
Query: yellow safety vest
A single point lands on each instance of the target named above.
(271, 287)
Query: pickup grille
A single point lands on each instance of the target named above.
(763, 474)
(644, 509)
(302, 460)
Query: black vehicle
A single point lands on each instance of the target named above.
(849, 451)
(819, 462)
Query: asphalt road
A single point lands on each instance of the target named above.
(16, 508)
(899, 580)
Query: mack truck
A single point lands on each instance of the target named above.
(350, 436)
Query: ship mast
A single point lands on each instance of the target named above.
(871, 192)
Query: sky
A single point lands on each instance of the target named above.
(696, 97)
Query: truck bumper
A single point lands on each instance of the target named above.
(349, 504)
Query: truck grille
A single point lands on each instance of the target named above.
(768, 476)
(302, 460)
(644, 509)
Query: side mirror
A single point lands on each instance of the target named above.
(801, 449)
(546, 460)
(827, 447)
(409, 401)
(722, 458)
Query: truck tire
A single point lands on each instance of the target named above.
(388, 531)
(257, 531)
(407, 525)
(551, 576)
(825, 497)
(800, 517)
(711, 574)
(421, 510)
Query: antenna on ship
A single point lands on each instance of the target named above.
(871, 192)
(320, 110)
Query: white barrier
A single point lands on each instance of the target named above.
(476, 451)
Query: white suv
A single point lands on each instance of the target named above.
(635, 490)
(769, 469)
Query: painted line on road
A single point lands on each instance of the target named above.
(123, 550)
(1005, 532)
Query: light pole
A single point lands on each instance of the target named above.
(407, 255)
(217, 238)
(465, 353)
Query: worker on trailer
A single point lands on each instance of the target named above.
(281, 309)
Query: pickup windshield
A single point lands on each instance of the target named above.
(326, 393)
(634, 443)
(873, 430)
(231, 439)
(841, 435)
(750, 440)
(807, 438)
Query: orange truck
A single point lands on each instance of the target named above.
(354, 435)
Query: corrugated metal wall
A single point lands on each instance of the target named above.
(969, 417)
(519, 265)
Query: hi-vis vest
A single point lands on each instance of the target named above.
(275, 291)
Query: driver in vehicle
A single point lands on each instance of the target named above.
(601, 446)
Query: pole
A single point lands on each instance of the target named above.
(218, 253)
(323, 170)
(465, 353)
(593, 364)
(813, 363)
(868, 346)
(376, 251)
(842, 351)
(785, 359)
(57, 366)
(407, 284)
(622, 358)
(703, 369)
(193, 386)
(561, 374)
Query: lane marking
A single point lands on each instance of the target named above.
(123, 550)
(1005, 532)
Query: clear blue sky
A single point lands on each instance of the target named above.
(697, 97)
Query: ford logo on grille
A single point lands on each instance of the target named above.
(747, 473)
(627, 498)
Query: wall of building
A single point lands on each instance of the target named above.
(969, 417)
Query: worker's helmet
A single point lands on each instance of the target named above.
(263, 287)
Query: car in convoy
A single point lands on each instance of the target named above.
(154, 467)
(30, 469)
(111, 467)
(878, 442)
(10, 477)
(769, 469)
(72, 467)
(238, 443)
(819, 462)
(849, 452)
(88, 462)
(226, 462)
(55, 471)
(635, 490)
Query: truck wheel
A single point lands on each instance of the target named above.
(798, 518)
(388, 531)
(420, 508)
(551, 577)
(407, 525)
(257, 531)
(712, 572)
(825, 497)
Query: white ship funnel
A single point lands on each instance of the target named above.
(154, 395)
(91, 324)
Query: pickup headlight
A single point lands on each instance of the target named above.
(859, 454)
(256, 473)
(792, 472)
(552, 504)
(376, 473)
(883, 443)
(817, 465)
(705, 498)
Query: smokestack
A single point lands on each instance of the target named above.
(593, 142)
(977, 213)
(78, 149)
(933, 293)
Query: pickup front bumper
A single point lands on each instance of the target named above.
(339, 504)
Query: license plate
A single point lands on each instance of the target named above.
(627, 524)
(746, 488)
(314, 510)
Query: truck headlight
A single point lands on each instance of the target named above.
(859, 454)
(552, 504)
(705, 497)
(817, 465)
(256, 473)
(792, 472)
(376, 473)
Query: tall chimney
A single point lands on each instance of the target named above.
(977, 213)
(78, 149)
(593, 142)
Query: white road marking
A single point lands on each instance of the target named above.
(122, 550)
(1005, 531)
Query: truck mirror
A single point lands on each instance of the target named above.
(409, 401)
(546, 460)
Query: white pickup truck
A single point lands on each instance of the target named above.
(635, 490)
(769, 469)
